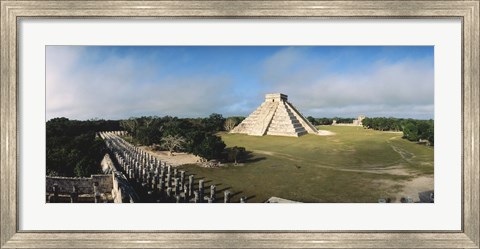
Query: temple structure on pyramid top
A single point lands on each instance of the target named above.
(275, 116)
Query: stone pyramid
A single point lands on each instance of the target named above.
(275, 116)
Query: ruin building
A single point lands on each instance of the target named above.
(275, 116)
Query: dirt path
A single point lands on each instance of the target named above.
(415, 186)
(405, 155)
(410, 188)
(392, 170)
(176, 160)
(325, 133)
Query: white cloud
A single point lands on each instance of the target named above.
(385, 89)
(117, 88)
(84, 85)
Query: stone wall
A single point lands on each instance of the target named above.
(84, 184)
(107, 165)
(356, 122)
(122, 191)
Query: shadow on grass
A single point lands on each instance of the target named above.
(250, 158)
(223, 189)
(236, 193)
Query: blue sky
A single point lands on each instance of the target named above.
(115, 82)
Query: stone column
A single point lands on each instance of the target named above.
(96, 194)
(74, 195)
(162, 170)
(145, 175)
(226, 196)
(131, 175)
(161, 188)
(97, 197)
(168, 182)
(191, 181)
(155, 183)
(137, 171)
(213, 192)
(175, 172)
(196, 197)
(127, 168)
(177, 186)
(95, 187)
(150, 182)
(140, 172)
(157, 170)
(201, 190)
(182, 178)
(55, 193)
(186, 191)
(162, 174)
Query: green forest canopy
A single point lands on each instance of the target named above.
(73, 149)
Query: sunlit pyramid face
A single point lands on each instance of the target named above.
(275, 116)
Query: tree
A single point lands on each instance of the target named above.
(147, 121)
(413, 129)
(172, 143)
(148, 135)
(236, 154)
(410, 132)
(312, 120)
(230, 123)
(71, 146)
(214, 122)
(211, 147)
(174, 126)
(429, 135)
(324, 121)
(130, 125)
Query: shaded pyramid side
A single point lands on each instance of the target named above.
(285, 123)
(305, 123)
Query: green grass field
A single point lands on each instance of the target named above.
(354, 165)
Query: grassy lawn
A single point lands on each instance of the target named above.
(355, 165)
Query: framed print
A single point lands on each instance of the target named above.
(239, 124)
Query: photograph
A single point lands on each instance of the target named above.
(239, 124)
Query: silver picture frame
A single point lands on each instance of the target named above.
(13, 11)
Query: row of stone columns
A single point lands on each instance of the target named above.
(160, 181)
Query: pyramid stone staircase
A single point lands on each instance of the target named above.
(275, 116)
(284, 123)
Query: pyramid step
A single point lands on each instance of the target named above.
(290, 134)
(308, 126)
(275, 116)
(286, 129)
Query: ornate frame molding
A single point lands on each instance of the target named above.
(11, 11)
